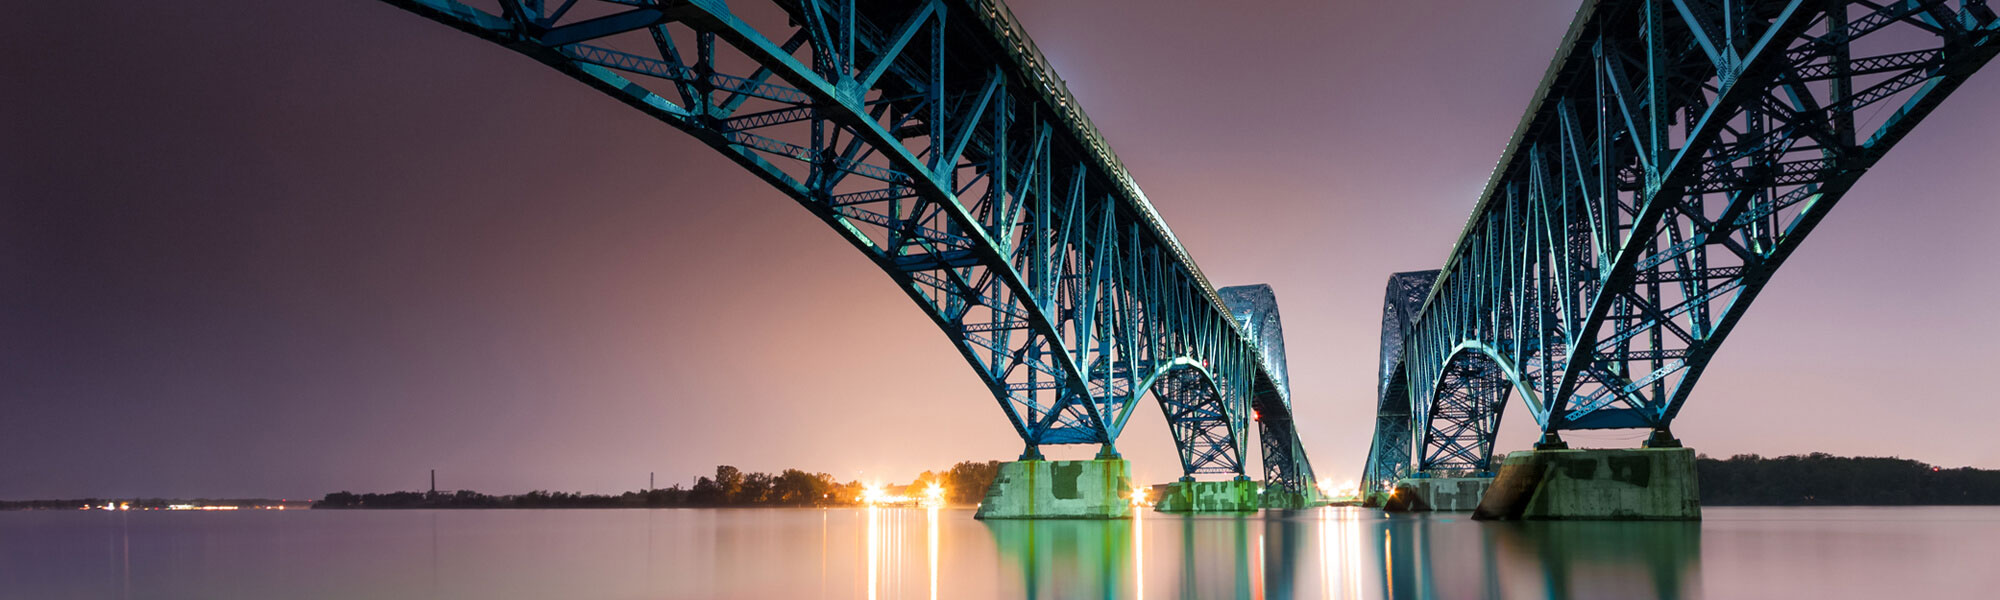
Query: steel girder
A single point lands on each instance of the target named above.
(1286, 467)
(934, 138)
(1206, 434)
(1463, 415)
(1389, 456)
(1676, 153)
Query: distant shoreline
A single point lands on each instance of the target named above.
(172, 504)
(1820, 479)
(964, 484)
(1815, 479)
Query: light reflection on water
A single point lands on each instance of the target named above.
(897, 553)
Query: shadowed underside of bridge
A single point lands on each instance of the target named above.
(935, 139)
(1675, 154)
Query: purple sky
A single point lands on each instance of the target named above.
(286, 248)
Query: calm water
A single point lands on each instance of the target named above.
(915, 553)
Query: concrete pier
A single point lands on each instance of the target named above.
(1060, 489)
(1443, 494)
(1235, 496)
(1276, 498)
(1625, 484)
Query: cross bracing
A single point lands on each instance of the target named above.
(935, 139)
(1675, 155)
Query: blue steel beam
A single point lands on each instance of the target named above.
(1389, 456)
(935, 139)
(1675, 155)
(1286, 467)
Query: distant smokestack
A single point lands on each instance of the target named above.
(434, 482)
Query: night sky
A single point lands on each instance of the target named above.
(286, 248)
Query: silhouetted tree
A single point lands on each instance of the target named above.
(967, 481)
(705, 493)
(729, 480)
(756, 489)
(1822, 479)
(798, 488)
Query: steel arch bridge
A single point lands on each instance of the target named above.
(1675, 154)
(934, 138)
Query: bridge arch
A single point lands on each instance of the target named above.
(1207, 426)
(1461, 416)
(1673, 158)
(933, 137)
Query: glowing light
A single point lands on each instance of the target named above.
(1139, 497)
(201, 507)
(873, 494)
(876, 494)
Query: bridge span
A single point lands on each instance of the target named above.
(934, 137)
(1676, 153)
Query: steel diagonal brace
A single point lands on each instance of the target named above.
(1724, 58)
(609, 25)
(949, 160)
(760, 49)
(1786, 26)
(1981, 52)
(715, 18)
(902, 38)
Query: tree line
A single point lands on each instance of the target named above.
(964, 483)
(1824, 479)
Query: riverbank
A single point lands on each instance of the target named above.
(1825, 480)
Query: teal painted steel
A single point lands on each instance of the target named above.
(935, 139)
(1675, 155)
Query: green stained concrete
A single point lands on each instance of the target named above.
(1282, 500)
(1235, 496)
(1444, 494)
(1060, 489)
(1625, 484)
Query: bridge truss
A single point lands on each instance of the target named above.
(1675, 155)
(934, 138)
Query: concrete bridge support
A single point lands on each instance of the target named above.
(1060, 489)
(1189, 496)
(1282, 500)
(1637, 484)
(1444, 494)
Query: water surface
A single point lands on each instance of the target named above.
(916, 553)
